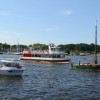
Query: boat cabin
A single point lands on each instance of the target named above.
(10, 63)
(52, 52)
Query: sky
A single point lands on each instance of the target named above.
(42, 21)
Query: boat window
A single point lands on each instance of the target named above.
(53, 56)
(7, 64)
(37, 55)
(33, 55)
(12, 64)
(50, 56)
(53, 49)
(46, 55)
(58, 56)
(62, 56)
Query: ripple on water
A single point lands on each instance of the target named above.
(44, 81)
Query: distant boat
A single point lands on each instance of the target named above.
(18, 48)
(1, 52)
(95, 65)
(52, 55)
(17, 53)
(11, 68)
(82, 54)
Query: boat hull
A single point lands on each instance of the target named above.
(11, 72)
(51, 60)
(95, 67)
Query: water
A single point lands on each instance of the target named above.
(44, 81)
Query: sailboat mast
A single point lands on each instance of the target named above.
(96, 43)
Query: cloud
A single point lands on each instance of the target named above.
(9, 37)
(50, 29)
(23, 17)
(17, 16)
(4, 14)
(11, 33)
(66, 12)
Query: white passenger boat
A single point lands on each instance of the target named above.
(11, 68)
(53, 54)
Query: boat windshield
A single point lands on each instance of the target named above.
(11, 64)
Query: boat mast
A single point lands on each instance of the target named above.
(95, 43)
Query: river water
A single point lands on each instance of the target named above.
(45, 81)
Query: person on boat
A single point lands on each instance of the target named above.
(8, 64)
(17, 65)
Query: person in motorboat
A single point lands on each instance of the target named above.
(18, 65)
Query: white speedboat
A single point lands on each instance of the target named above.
(11, 68)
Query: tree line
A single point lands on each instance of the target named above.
(68, 48)
(80, 48)
(4, 47)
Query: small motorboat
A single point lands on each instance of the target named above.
(11, 68)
